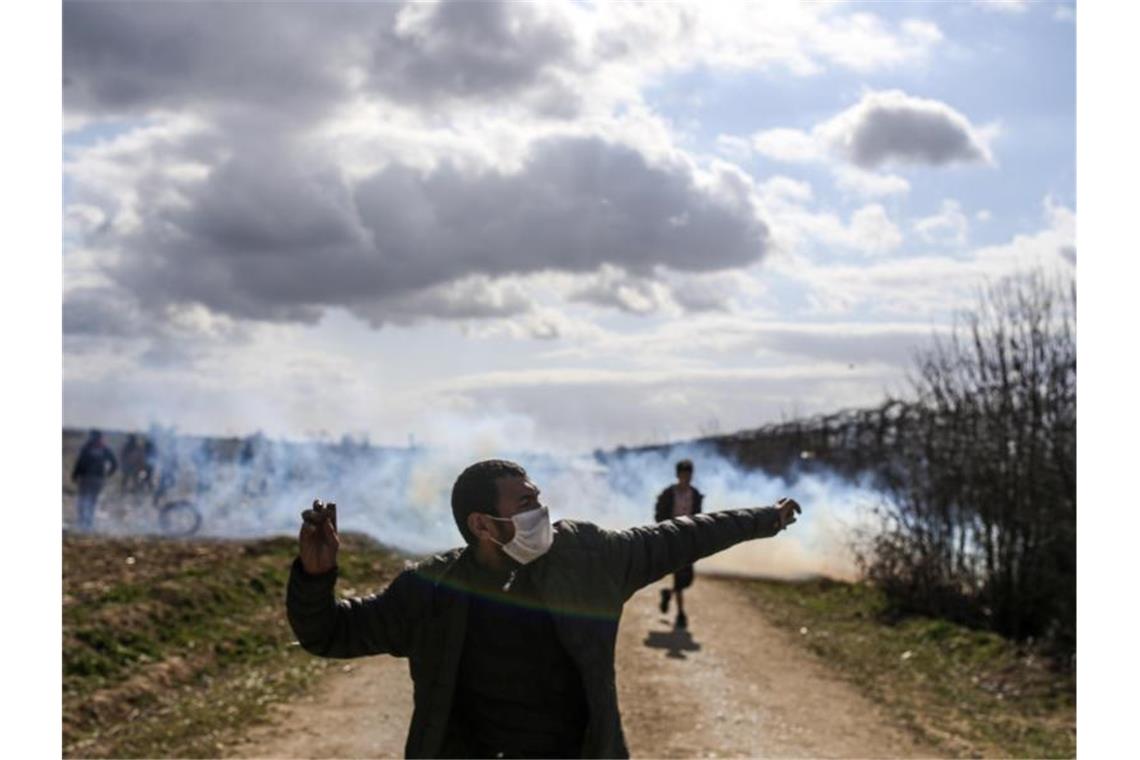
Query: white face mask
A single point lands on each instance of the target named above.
(533, 535)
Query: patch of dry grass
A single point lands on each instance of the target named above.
(971, 693)
(171, 648)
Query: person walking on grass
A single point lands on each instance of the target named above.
(510, 637)
(95, 463)
(679, 500)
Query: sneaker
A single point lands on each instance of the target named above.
(682, 621)
(665, 594)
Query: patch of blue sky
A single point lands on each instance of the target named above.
(743, 102)
(1018, 70)
(1014, 70)
(94, 132)
(86, 135)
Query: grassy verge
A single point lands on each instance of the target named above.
(172, 648)
(969, 693)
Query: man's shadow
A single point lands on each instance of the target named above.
(676, 641)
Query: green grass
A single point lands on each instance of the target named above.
(173, 648)
(970, 693)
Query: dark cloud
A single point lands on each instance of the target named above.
(615, 289)
(277, 231)
(101, 321)
(472, 298)
(94, 315)
(705, 293)
(99, 311)
(296, 58)
(577, 203)
(130, 57)
(892, 127)
(473, 50)
(691, 291)
(266, 236)
(700, 299)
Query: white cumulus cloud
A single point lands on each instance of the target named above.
(950, 226)
(789, 145)
(886, 127)
(892, 127)
(855, 181)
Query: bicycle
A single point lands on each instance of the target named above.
(178, 517)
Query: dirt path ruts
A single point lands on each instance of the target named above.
(731, 686)
(362, 709)
(735, 686)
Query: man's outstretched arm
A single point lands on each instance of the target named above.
(377, 624)
(639, 556)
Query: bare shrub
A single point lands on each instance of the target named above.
(981, 525)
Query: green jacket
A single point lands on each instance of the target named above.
(584, 579)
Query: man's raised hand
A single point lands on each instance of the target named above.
(788, 509)
(319, 540)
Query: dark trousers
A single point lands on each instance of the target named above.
(89, 489)
(683, 578)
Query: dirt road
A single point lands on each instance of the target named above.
(731, 686)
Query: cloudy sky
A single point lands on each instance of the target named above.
(560, 225)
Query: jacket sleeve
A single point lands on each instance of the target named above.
(357, 627)
(663, 509)
(639, 556)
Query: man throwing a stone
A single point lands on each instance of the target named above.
(510, 638)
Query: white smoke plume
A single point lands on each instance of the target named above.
(401, 496)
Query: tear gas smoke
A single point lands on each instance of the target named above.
(401, 496)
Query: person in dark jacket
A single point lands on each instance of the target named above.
(96, 463)
(679, 500)
(510, 638)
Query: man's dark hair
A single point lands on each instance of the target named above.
(475, 490)
(685, 465)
